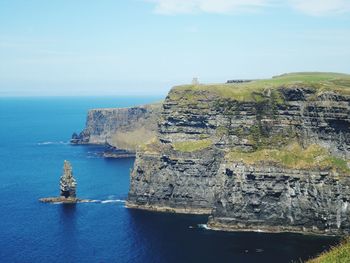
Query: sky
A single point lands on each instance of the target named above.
(144, 47)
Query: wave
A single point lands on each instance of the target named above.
(98, 201)
(93, 157)
(53, 143)
(94, 201)
(203, 226)
(107, 201)
(112, 201)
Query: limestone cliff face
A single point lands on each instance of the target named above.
(273, 199)
(123, 128)
(272, 158)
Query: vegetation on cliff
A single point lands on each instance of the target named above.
(192, 146)
(340, 253)
(152, 146)
(293, 156)
(255, 90)
(131, 139)
(135, 133)
(266, 100)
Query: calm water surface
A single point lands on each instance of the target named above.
(34, 133)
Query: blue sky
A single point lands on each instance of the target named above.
(143, 47)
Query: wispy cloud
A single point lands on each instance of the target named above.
(321, 7)
(170, 7)
(309, 7)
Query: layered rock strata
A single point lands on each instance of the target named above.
(273, 199)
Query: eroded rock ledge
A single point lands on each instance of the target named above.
(64, 200)
(269, 155)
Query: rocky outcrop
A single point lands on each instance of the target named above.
(121, 128)
(269, 156)
(68, 184)
(68, 187)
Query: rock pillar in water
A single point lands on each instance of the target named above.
(68, 184)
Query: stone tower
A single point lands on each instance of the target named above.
(68, 184)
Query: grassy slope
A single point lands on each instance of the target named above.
(338, 254)
(132, 139)
(192, 146)
(246, 91)
(131, 136)
(295, 157)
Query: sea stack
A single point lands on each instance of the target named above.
(68, 184)
(68, 188)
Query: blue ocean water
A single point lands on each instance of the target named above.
(34, 136)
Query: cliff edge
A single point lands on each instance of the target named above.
(269, 155)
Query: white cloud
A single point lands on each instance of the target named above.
(321, 7)
(309, 7)
(170, 7)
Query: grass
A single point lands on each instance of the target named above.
(192, 146)
(152, 146)
(253, 91)
(338, 254)
(293, 156)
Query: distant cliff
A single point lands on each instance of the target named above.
(121, 128)
(269, 155)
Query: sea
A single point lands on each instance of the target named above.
(34, 142)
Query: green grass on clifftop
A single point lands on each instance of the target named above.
(338, 254)
(293, 156)
(248, 91)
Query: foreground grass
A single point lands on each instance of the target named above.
(293, 156)
(248, 91)
(338, 254)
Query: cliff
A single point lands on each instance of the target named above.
(120, 128)
(270, 155)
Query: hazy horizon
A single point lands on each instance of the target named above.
(144, 47)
